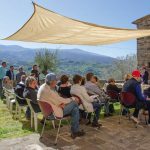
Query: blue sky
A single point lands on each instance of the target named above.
(114, 13)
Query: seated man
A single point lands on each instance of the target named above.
(133, 85)
(88, 102)
(61, 106)
(94, 89)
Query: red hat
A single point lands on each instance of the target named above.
(136, 73)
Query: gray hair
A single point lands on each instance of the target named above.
(29, 80)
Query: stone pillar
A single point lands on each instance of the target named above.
(143, 44)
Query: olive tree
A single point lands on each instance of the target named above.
(47, 60)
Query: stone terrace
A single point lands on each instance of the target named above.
(111, 136)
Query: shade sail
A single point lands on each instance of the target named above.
(45, 26)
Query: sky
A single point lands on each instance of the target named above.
(113, 13)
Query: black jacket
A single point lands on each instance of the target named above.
(31, 94)
(111, 87)
(11, 76)
(19, 91)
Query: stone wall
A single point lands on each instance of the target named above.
(143, 44)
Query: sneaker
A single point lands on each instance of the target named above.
(96, 125)
(88, 123)
(135, 119)
(108, 115)
(77, 134)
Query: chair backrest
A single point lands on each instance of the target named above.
(113, 94)
(128, 99)
(29, 104)
(18, 99)
(80, 101)
(46, 108)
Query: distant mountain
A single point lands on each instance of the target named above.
(15, 54)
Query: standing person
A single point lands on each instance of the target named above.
(36, 72)
(10, 73)
(19, 74)
(61, 106)
(145, 76)
(133, 85)
(2, 74)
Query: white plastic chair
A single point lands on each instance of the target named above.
(10, 99)
(34, 115)
(19, 107)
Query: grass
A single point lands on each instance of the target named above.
(12, 128)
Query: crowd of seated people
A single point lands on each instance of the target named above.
(61, 106)
(85, 94)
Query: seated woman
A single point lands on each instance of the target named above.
(64, 88)
(88, 103)
(112, 86)
(8, 84)
(30, 92)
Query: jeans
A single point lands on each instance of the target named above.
(73, 110)
(97, 109)
(140, 105)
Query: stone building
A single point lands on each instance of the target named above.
(143, 44)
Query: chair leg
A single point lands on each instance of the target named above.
(68, 124)
(11, 105)
(43, 128)
(57, 133)
(16, 112)
(31, 119)
(146, 122)
(121, 108)
(87, 115)
(19, 113)
(53, 123)
(35, 122)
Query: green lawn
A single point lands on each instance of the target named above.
(11, 128)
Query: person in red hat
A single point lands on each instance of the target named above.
(133, 86)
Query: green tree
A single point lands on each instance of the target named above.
(47, 60)
(124, 65)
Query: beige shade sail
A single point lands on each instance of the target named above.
(45, 26)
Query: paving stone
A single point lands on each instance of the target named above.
(111, 136)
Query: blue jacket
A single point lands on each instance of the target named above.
(133, 86)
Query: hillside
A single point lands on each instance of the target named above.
(21, 55)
